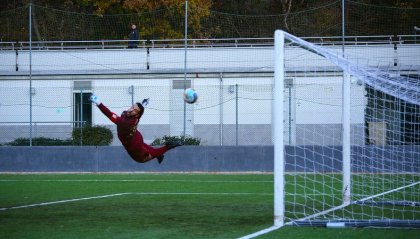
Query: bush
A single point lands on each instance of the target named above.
(93, 135)
(187, 140)
(40, 141)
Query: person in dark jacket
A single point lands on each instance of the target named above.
(134, 37)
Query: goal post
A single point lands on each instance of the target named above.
(278, 130)
(355, 155)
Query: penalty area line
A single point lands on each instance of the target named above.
(63, 201)
(129, 193)
(259, 233)
(133, 180)
(204, 194)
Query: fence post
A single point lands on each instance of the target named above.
(221, 107)
(131, 92)
(30, 74)
(81, 117)
(237, 114)
(185, 63)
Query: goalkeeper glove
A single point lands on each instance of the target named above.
(95, 99)
(145, 102)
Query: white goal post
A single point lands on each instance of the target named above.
(346, 136)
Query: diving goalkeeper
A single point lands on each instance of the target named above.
(130, 137)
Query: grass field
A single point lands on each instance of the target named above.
(150, 206)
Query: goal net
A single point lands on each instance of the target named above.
(348, 150)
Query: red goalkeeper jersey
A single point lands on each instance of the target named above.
(130, 137)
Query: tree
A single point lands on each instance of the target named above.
(243, 7)
(165, 18)
(158, 19)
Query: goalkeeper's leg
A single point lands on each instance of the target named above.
(158, 153)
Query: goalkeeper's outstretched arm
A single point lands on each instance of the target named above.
(112, 116)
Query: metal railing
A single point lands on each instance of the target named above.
(223, 42)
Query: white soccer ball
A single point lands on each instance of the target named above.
(190, 96)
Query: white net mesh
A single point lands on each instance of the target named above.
(384, 135)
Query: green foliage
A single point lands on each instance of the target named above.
(164, 19)
(40, 141)
(93, 135)
(187, 140)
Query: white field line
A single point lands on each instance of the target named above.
(387, 192)
(211, 194)
(147, 180)
(259, 233)
(267, 230)
(132, 180)
(122, 194)
(345, 205)
(63, 201)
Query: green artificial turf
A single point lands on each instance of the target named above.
(150, 206)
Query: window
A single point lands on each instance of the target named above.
(82, 107)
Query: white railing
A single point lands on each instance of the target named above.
(223, 42)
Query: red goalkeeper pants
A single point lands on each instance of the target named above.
(139, 151)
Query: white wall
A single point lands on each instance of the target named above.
(79, 60)
(167, 59)
(409, 55)
(319, 100)
(317, 87)
(51, 101)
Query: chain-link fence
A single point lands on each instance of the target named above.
(232, 110)
(227, 113)
(360, 19)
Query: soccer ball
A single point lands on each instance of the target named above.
(190, 96)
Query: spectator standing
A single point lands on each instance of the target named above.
(134, 37)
